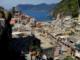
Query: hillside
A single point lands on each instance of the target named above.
(67, 6)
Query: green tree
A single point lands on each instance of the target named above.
(67, 7)
(79, 3)
(1, 8)
(68, 58)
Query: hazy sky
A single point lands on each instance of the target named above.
(9, 3)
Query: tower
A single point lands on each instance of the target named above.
(79, 15)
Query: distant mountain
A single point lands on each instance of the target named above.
(43, 6)
(40, 11)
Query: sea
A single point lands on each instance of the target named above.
(42, 16)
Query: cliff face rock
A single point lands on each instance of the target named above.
(66, 26)
(62, 25)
